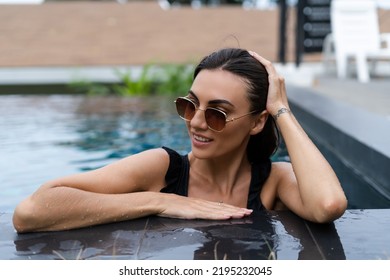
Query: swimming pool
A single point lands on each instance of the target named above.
(45, 136)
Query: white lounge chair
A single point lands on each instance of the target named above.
(355, 37)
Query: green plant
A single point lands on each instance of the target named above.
(175, 79)
(89, 88)
(169, 79)
(132, 86)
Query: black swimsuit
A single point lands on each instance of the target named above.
(177, 178)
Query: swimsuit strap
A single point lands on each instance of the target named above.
(260, 173)
(178, 173)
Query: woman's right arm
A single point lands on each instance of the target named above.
(126, 189)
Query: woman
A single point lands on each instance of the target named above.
(230, 112)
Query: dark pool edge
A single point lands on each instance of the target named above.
(330, 241)
(356, 136)
(59, 79)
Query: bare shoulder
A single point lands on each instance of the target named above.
(153, 158)
(281, 174)
(144, 171)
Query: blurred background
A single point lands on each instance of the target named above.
(135, 32)
(129, 32)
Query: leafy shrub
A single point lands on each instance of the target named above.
(167, 79)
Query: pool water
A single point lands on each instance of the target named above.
(46, 136)
(42, 137)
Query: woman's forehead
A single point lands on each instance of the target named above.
(219, 84)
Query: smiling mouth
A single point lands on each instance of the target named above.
(201, 139)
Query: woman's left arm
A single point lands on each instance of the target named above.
(315, 193)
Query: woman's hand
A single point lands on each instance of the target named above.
(277, 97)
(176, 206)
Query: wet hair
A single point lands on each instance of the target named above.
(239, 62)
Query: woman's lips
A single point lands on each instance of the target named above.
(201, 138)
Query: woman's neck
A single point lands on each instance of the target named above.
(220, 177)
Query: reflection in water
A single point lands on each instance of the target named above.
(162, 238)
(124, 126)
(154, 238)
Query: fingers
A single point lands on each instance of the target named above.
(277, 96)
(219, 211)
(227, 211)
(236, 214)
(266, 63)
(191, 208)
(272, 73)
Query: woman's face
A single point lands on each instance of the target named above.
(228, 92)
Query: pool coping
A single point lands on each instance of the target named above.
(279, 235)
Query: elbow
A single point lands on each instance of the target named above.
(30, 215)
(331, 210)
(24, 217)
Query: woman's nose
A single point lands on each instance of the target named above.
(199, 120)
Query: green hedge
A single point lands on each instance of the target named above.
(167, 79)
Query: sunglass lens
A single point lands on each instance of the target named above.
(185, 109)
(215, 119)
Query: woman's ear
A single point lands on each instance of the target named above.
(259, 123)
